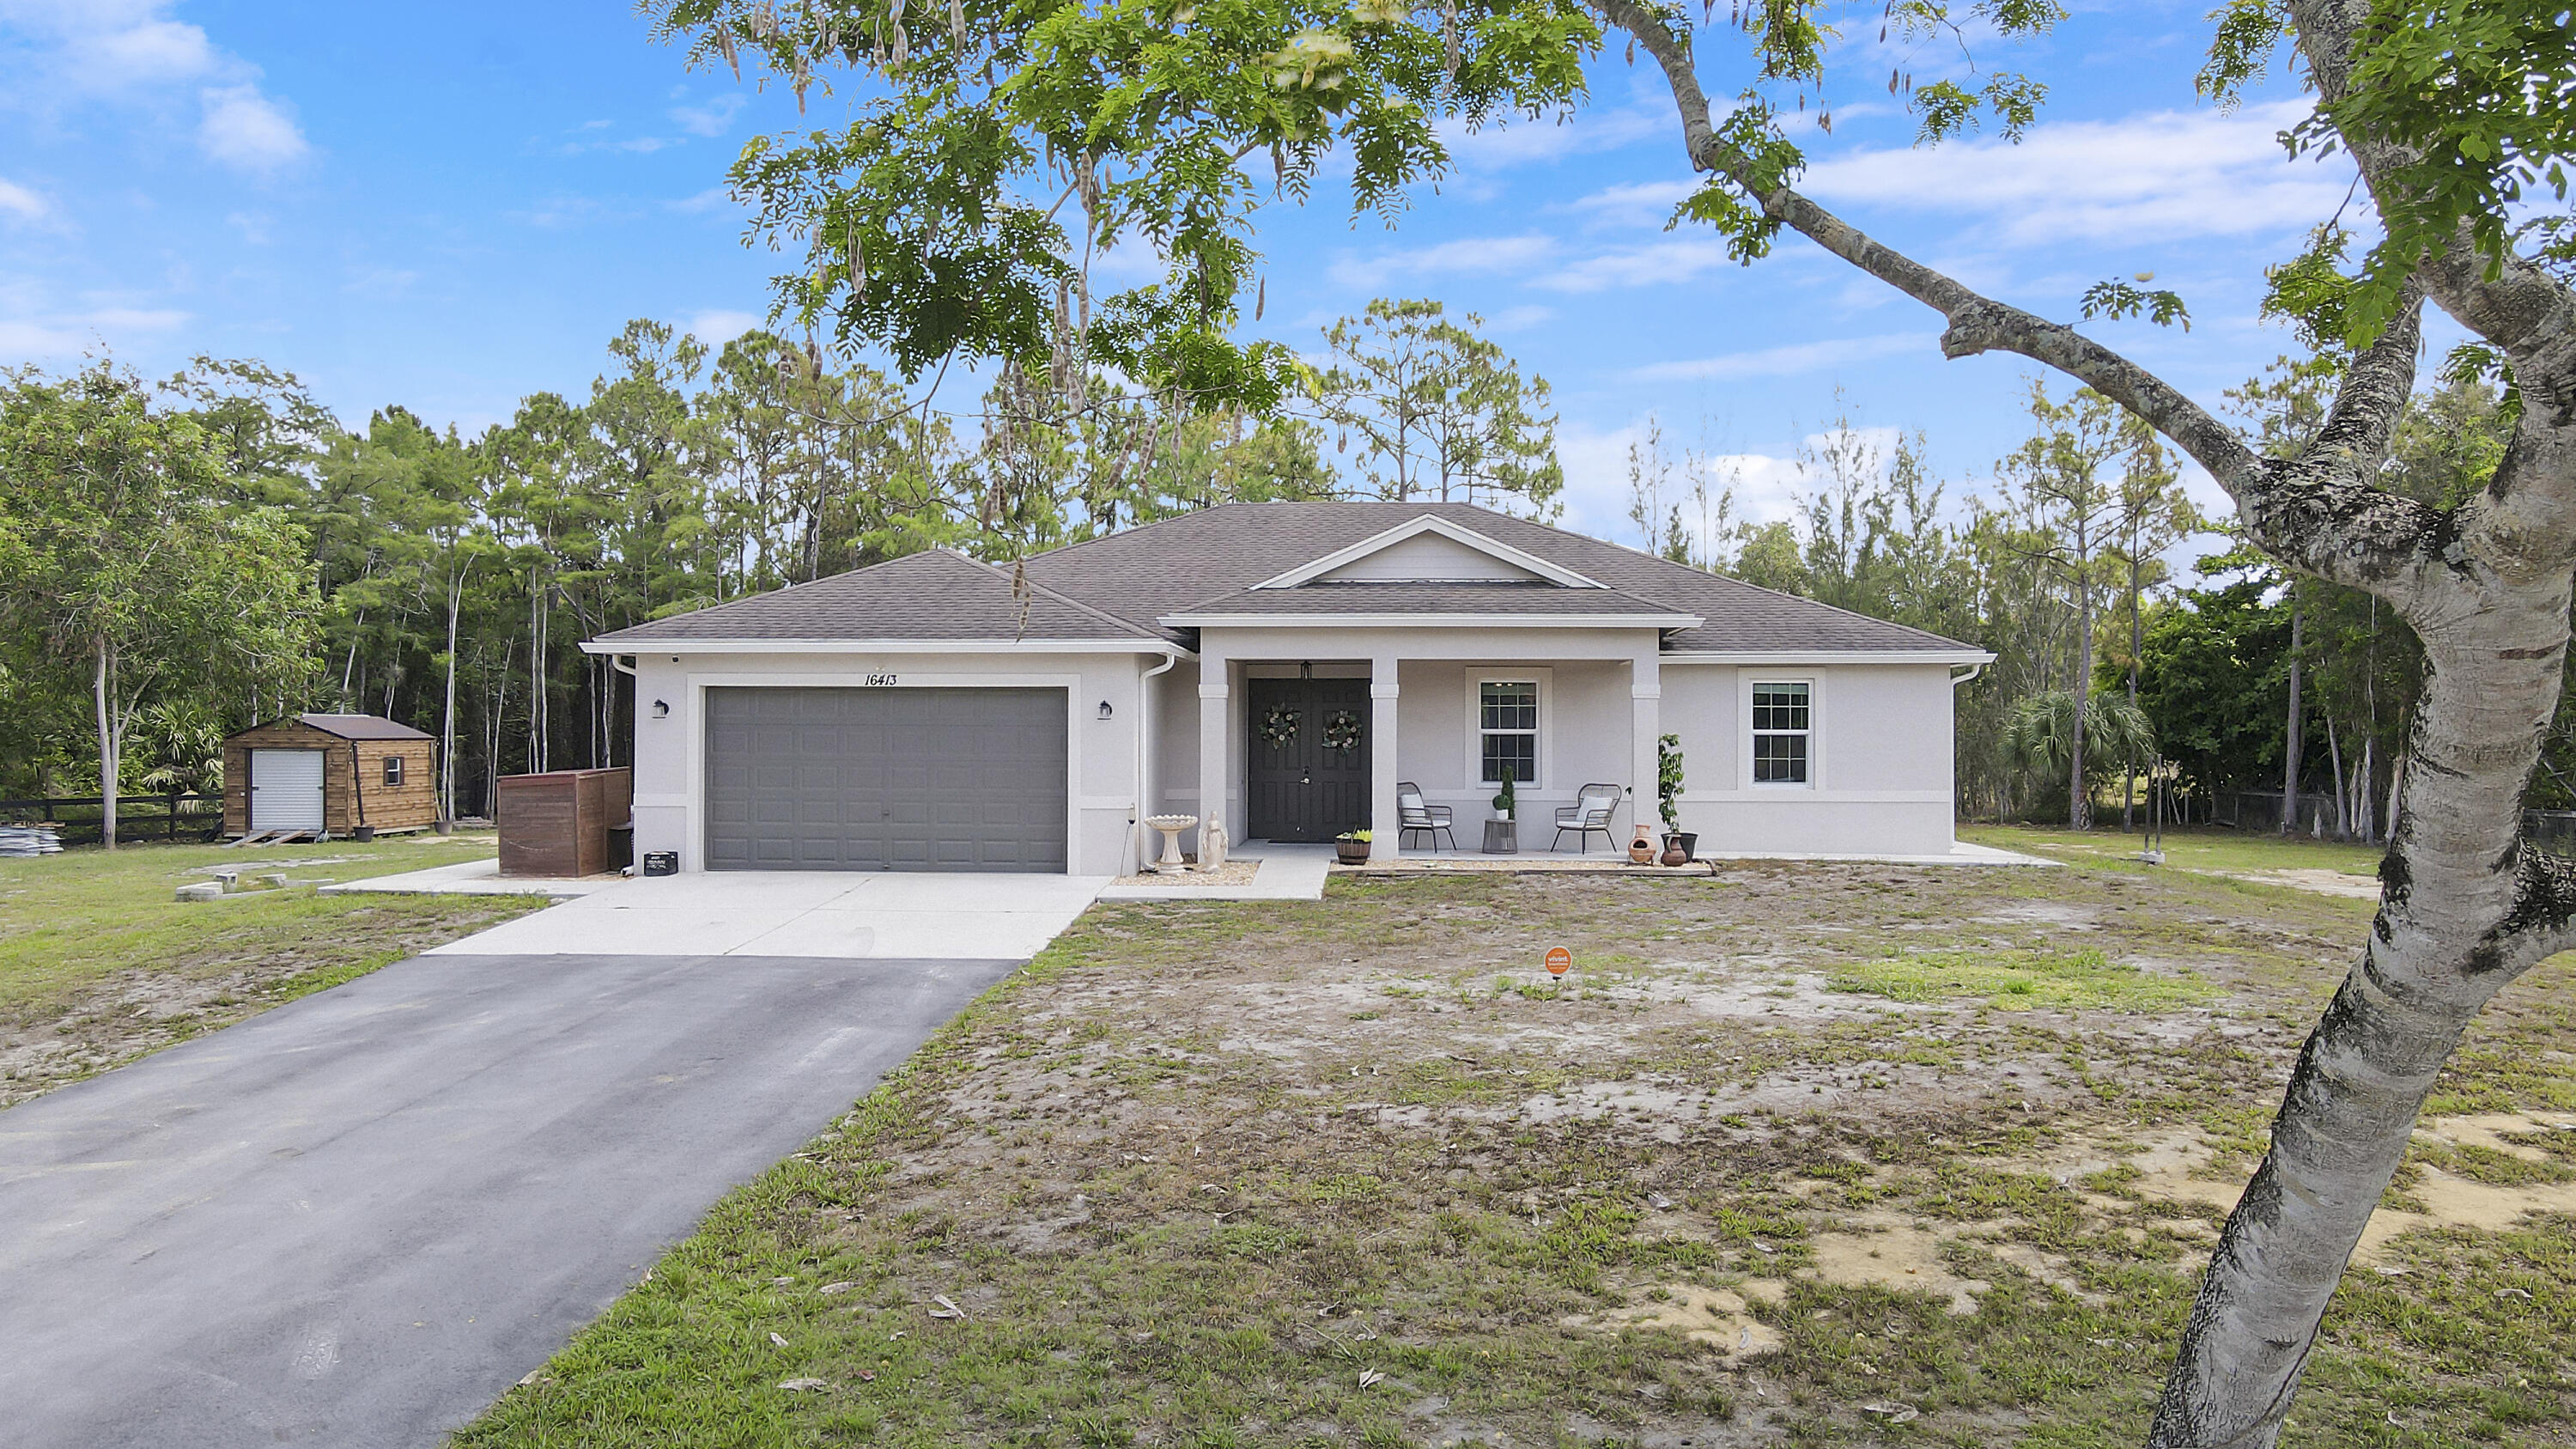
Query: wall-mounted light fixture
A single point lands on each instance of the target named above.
(1105, 710)
(661, 710)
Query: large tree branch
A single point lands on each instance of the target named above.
(2316, 513)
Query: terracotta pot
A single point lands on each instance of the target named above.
(1641, 847)
(1674, 854)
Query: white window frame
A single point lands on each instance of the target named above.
(1753, 685)
(1477, 679)
(397, 772)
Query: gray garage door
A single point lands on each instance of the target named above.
(886, 779)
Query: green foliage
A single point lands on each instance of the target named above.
(1668, 780)
(134, 576)
(1440, 410)
(2119, 300)
(1506, 802)
(2116, 733)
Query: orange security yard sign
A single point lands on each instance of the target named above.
(1559, 961)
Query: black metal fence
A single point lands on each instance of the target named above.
(82, 818)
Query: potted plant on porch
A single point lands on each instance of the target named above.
(1679, 845)
(1352, 847)
(1507, 802)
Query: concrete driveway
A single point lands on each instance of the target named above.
(358, 1219)
(847, 916)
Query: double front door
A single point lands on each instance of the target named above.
(1306, 767)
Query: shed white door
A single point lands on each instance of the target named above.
(886, 779)
(286, 790)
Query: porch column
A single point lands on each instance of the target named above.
(1215, 770)
(1383, 768)
(1645, 728)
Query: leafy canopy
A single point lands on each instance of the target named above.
(997, 148)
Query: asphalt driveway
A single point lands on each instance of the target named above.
(358, 1219)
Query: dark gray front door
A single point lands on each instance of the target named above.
(886, 779)
(1302, 787)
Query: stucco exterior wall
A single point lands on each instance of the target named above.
(1879, 779)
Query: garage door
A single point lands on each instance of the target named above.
(886, 779)
(286, 790)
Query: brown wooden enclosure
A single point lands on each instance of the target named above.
(556, 824)
(359, 787)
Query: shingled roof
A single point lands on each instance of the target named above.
(1135, 584)
(937, 595)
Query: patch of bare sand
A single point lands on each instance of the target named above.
(2310, 878)
(2173, 1167)
(1719, 1317)
(1885, 1251)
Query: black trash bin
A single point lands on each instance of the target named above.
(621, 845)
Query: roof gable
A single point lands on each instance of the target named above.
(1429, 550)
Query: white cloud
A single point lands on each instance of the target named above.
(717, 326)
(2156, 176)
(710, 118)
(30, 338)
(245, 129)
(714, 198)
(1467, 254)
(1525, 142)
(1643, 203)
(1515, 319)
(18, 201)
(1661, 262)
(1783, 361)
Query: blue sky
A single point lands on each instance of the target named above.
(450, 207)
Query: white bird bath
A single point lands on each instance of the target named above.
(1171, 826)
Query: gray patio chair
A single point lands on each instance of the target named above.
(1590, 811)
(1414, 817)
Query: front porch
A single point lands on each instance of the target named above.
(1308, 744)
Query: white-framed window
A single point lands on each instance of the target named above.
(1507, 729)
(393, 769)
(1783, 732)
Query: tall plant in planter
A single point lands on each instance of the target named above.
(1507, 802)
(1668, 782)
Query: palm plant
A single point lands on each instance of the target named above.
(2116, 734)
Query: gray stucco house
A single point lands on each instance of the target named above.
(1287, 663)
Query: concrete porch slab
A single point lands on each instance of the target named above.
(1287, 873)
(1542, 862)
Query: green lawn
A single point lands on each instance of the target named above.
(1798, 1154)
(99, 962)
(2226, 851)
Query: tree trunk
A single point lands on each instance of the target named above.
(2297, 735)
(2334, 764)
(2077, 816)
(447, 715)
(2439, 949)
(2137, 647)
(111, 738)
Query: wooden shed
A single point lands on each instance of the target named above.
(330, 774)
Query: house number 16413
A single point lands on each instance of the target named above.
(880, 679)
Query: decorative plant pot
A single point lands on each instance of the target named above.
(1674, 853)
(1690, 843)
(1351, 852)
(1641, 847)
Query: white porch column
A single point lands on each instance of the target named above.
(1383, 769)
(1215, 770)
(1645, 728)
